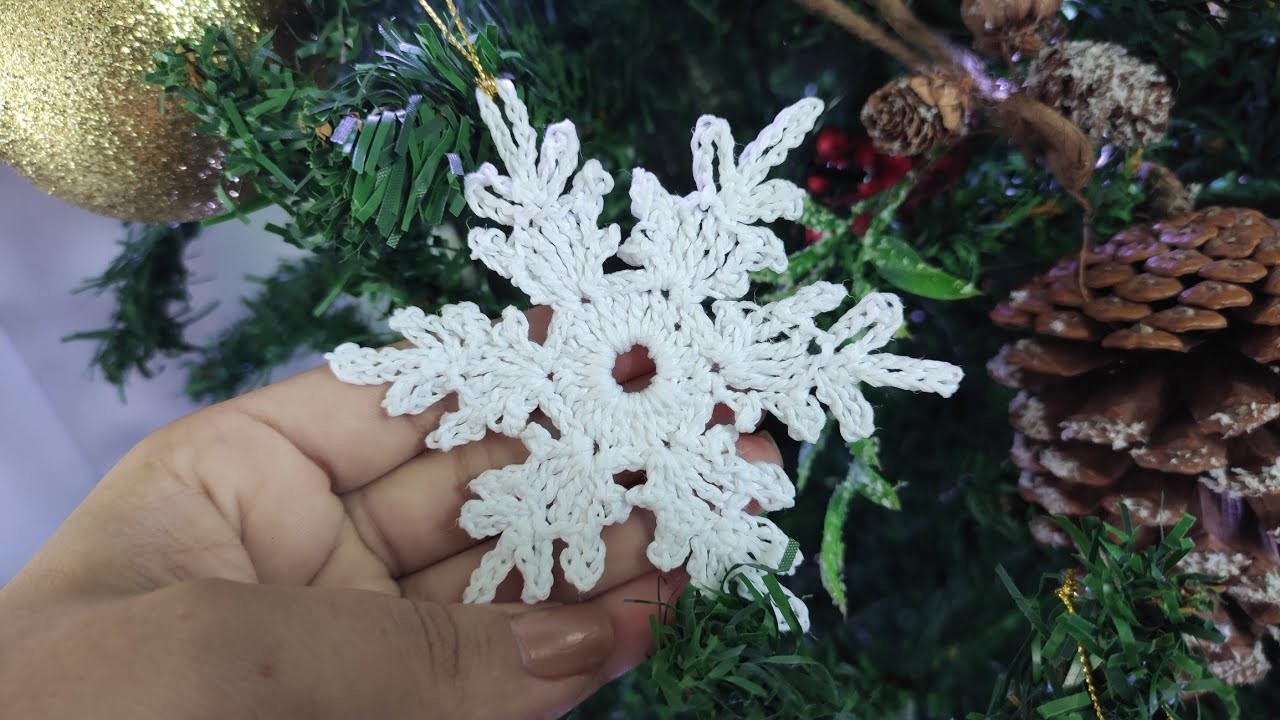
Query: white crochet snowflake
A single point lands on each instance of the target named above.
(682, 252)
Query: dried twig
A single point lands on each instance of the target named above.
(908, 26)
(845, 17)
(1040, 131)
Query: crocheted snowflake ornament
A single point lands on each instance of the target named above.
(683, 251)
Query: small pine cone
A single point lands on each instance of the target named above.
(1157, 392)
(1008, 27)
(1166, 195)
(910, 116)
(1111, 96)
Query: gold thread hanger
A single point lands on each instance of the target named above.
(461, 41)
(1066, 594)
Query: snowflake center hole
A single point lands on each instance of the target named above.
(631, 369)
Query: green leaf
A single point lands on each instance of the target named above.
(831, 554)
(374, 138)
(748, 685)
(1021, 601)
(779, 596)
(868, 481)
(903, 267)
(423, 185)
(800, 263)
(363, 143)
(1055, 641)
(1064, 705)
(788, 660)
(334, 292)
(375, 199)
(1180, 530)
(408, 122)
(393, 201)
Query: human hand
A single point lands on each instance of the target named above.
(295, 553)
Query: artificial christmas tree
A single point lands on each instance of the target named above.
(365, 164)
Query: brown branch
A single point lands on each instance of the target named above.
(909, 27)
(845, 17)
(1040, 131)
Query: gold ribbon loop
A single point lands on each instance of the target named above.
(461, 41)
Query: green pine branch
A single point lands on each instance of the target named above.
(279, 323)
(1133, 611)
(152, 309)
(721, 655)
(356, 162)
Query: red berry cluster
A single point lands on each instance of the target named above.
(848, 169)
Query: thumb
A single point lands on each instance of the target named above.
(286, 652)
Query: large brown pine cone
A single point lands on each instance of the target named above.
(1113, 97)
(1156, 389)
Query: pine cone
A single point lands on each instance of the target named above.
(910, 116)
(1111, 96)
(1166, 194)
(1158, 390)
(1008, 27)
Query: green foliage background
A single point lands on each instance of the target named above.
(930, 630)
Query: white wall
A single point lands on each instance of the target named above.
(62, 426)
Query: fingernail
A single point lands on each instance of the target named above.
(768, 437)
(563, 641)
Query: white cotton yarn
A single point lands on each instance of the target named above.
(752, 358)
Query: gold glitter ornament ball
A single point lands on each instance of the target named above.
(77, 119)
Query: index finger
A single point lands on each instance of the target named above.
(342, 428)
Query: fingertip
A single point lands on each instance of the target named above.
(759, 447)
(632, 365)
(539, 320)
(721, 414)
(633, 608)
(676, 581)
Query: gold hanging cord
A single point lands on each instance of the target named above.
(1067, 593)
(462, 43)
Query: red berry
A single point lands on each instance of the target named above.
(865, 155)
(812, 236)
(831, 144)
(860, 224)
(894, 166)
(880, 183)
(817, 184)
